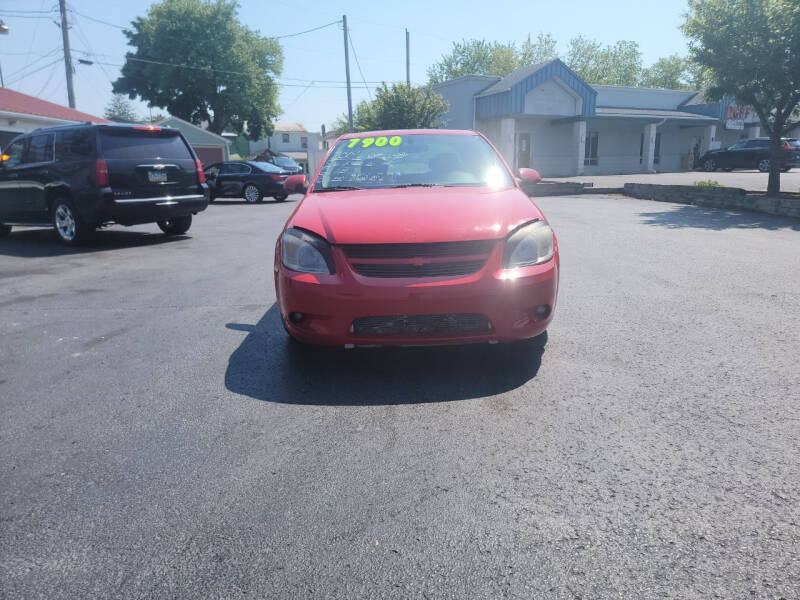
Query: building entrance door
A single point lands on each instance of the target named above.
(523, 150)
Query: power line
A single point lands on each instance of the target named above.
(35, 71)
(355, 56)
(278, 37)
(72, 10)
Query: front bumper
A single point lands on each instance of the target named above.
(330, 303)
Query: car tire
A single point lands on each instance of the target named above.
(786, 169)
(763, 165)
(4, 230)
(280, 197)
(69, 227)
(176, 225)
(709, 165)
(728, 169)
(251, 193)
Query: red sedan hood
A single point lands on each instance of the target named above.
(405, 215)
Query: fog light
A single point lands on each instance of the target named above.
(542, 311)
(296, 317)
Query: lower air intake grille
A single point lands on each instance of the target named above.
(434, 269)
(425, 324)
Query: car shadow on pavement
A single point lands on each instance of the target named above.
(268, 366)
(33, 243)
(718, 219)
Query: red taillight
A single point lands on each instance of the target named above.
(147, 127)
(786, 146)
(201, 176)
(276, 177)
(101, 172)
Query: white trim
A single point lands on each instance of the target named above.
(7, 114)
(194, 126)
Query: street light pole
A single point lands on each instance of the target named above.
(67, 56)
(3, 31)
(347, 74)
(408, 61)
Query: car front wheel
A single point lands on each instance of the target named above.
(709, 165)
(763, 165)
(71, 229)
(176, 225)
(252, 194)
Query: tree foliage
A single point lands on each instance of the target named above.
(398, 106)
(120, 109)
(615, 64)
(195, 59)
(751, 49)
(674, 72)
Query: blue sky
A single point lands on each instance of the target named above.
(377, 30)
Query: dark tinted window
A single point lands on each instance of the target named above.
(267, 167)
(142, 145)
(758, 144)
(212, 170)
(40, 148)
(15, 152)
(74, 144)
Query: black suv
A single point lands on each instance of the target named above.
(751, 154)
(80, 177)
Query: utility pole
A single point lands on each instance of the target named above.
(408, 61)
(347, 74)
(67, 57)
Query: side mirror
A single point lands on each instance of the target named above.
(296, 184)
(529, 175)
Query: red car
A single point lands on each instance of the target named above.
(416, 237)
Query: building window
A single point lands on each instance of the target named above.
(304, 142)
(285, 138)
(590, 152)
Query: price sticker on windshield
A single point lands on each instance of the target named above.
(379, 142)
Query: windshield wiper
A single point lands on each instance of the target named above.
(405, 185)
(337, 188)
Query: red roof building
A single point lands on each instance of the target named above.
(20, 113)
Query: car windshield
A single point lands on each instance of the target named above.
(266, 167)
(282, 161)
(413, 160)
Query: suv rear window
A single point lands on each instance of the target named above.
(145, 144)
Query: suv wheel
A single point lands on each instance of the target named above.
(763, 165)
(280, 197)
(709, 165)
(71, 229)
(4, 230)
(252, 194)
(176, 225)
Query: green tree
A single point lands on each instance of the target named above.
(474, 57)
(120, 109)
(751, 49)
(538, 51)
(671, 72)
(617, 64)
(195, 59)
(398, 106)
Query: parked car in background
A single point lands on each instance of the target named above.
(251, 180)
(286, 163)
(416, 237)
(81, 177)
(751, 154)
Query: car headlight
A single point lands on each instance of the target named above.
(305, 252)
(531, 244)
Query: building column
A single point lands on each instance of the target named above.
(709, 134)
(649, 150)
(506, 142)
(579, 143)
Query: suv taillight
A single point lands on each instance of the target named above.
(201, 176)
(101, 172)
(787, 146)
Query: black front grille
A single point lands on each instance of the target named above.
(421, 324)
(432, 250)
(434, 269)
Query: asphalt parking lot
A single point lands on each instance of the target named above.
(161, 439)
